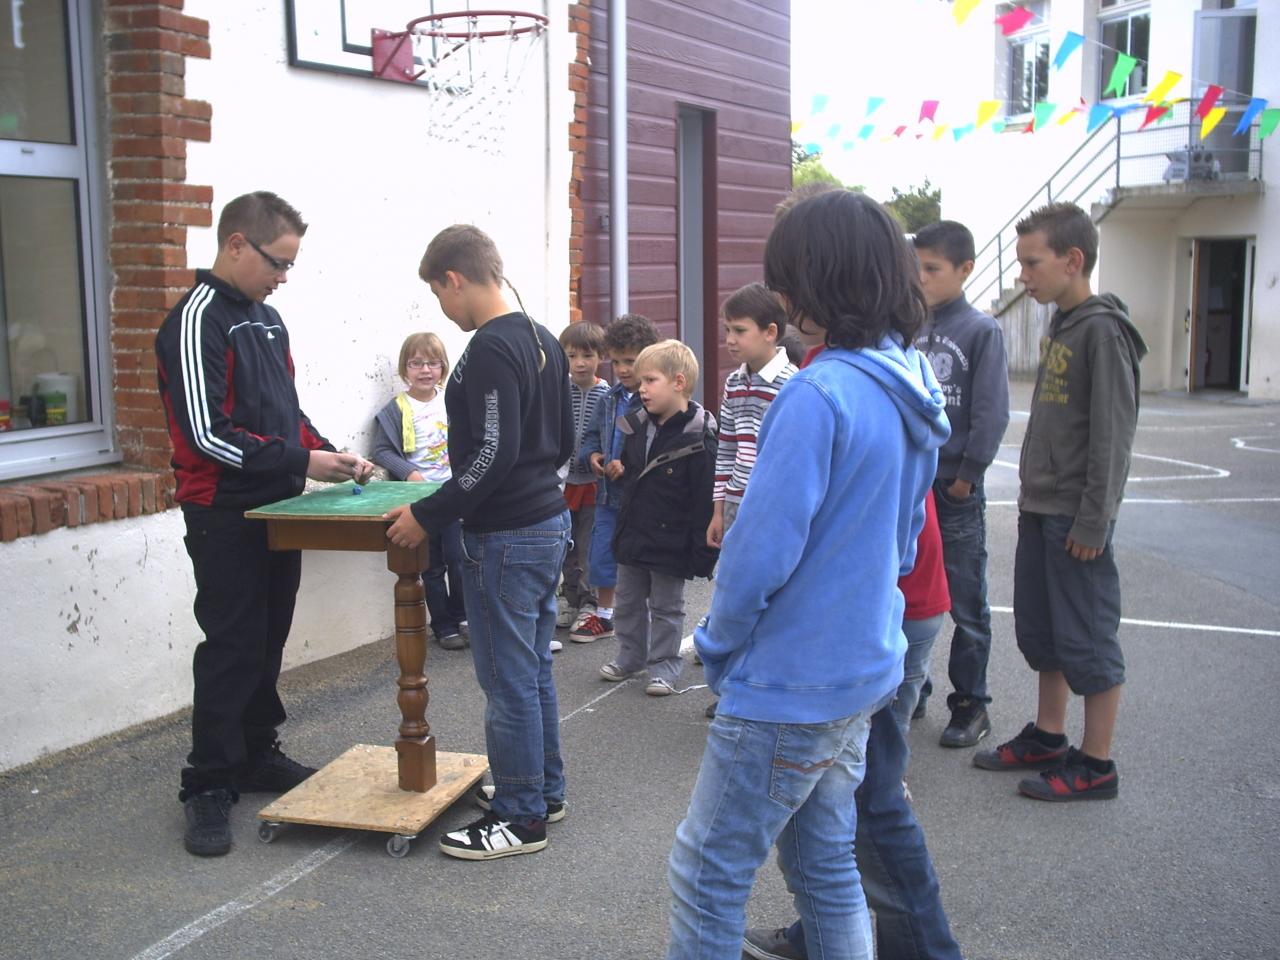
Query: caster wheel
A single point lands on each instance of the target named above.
(398, 845)
(267, 831)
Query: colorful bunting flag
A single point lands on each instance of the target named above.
(865, 132)
(1208, 100)
(1070, 44)
(1099, 114)
(986, 110)
(819, 102)
(1267, 123)
(833, 131)
(997, 126)
(960, 132)
(1014, 20)
(900, 131)
(927, 110)
(1255, 107)
(1120, 75)
(1154, 113)
(795, 127)
(1211, 120)
(1043, 111)
(961, 10)
(937, 134)
(873, 104)
(812, 148)
(1160, 92)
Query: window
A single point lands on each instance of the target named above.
(1128, 31)
(1027, 57)
(53, 370)
(1224, 51)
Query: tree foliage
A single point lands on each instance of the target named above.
(917, 207)
(807, 167)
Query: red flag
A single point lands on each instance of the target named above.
(927, 110)
(900, 131)
(1014, 20)
(1207, 102)
(1154, 113)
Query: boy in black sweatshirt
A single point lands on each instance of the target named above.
(669, 465)
(510, 428)
(966, 350)
(1075, 460)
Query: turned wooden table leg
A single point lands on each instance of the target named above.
(415, 747)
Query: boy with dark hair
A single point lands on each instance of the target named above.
(510, 428)
(668, 456)
(583, 345)
(602, 448)
(799, 681)
(1075, 460)
(240, 441)
(966, 349)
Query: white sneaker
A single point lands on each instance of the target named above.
(565, 614)
(556, 646)
(491, 837)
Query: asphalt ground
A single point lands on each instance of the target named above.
(1183, 864)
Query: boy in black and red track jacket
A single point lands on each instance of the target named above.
(240, 441)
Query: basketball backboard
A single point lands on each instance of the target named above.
(334, 34)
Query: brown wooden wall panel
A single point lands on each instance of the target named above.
(728, 57)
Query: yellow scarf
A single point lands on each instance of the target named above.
(410, 439)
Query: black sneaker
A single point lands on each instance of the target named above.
(1023, 752)
(492, 837)
(208, 823)
(272, 772)
(969, 724)
(922, 707)
(484, 800)
(710, 712)
(452, 641)
(770, 944)
(1073, 780)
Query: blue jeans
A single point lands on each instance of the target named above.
(602, 568)
(442, 581)
(963, 524)
(510, 582)
(897, 872)
(760, 784)
(921, 635)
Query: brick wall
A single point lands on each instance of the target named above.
(579, 74)
(149, 122)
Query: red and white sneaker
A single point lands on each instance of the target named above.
(592, 628)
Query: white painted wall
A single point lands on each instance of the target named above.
(98, 619)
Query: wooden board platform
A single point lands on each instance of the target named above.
(359, 791)
(338, 502)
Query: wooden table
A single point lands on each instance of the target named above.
(351, 791)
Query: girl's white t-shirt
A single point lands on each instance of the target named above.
(431, 431)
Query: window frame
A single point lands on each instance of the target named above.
(1031, 39)
(41, 450)
(1123, 11)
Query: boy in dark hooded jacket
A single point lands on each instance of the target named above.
(669, 459)
(1075, 460)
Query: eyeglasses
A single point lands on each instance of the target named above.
(436, 365)
(279, 266)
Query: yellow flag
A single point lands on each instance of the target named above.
(1068, 117)
(1161, 90)
(986, 110)
(937, 134)
(962, 8)
(1211, 120)
(795, 126)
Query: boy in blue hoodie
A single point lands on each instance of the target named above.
(846, 454)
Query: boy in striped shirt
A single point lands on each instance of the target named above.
(754, 321)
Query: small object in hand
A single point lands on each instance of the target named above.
(356, 489)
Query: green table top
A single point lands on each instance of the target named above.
(339, 502)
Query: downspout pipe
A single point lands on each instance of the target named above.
(620, 266)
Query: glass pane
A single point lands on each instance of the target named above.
(1018, 79)
(35, 84)
(1225, 49)
(43, 368)
(1139, 47)
(1042, 70)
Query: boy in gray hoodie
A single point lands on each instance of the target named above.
(966, 350)
(1075, 460)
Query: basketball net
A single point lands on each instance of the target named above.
(473, 73)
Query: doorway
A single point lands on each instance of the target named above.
(696, 242)
(1219, 342)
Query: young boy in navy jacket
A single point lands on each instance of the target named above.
(669, 463)
(846, 453)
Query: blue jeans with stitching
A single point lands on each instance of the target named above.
(510, 577)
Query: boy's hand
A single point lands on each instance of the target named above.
(415, 477)
(613, 470)
(960, 489)
(715, 529)
(364, 471)
(597, 464)
(1080, 552)
(405, 531)
(334, 467)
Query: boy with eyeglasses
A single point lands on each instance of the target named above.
(240, 441)
(411, 442)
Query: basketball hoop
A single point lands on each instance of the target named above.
(470, 63)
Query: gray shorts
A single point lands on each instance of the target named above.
(1066, 612)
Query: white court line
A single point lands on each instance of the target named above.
(1164, 500)
(1213, 473)
(1240, 444)
(1176, 625)
(264, 891)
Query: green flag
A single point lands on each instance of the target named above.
(1120, 75)
(1267, 124)
(1043, 112)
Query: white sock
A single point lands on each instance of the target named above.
(604, 613)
